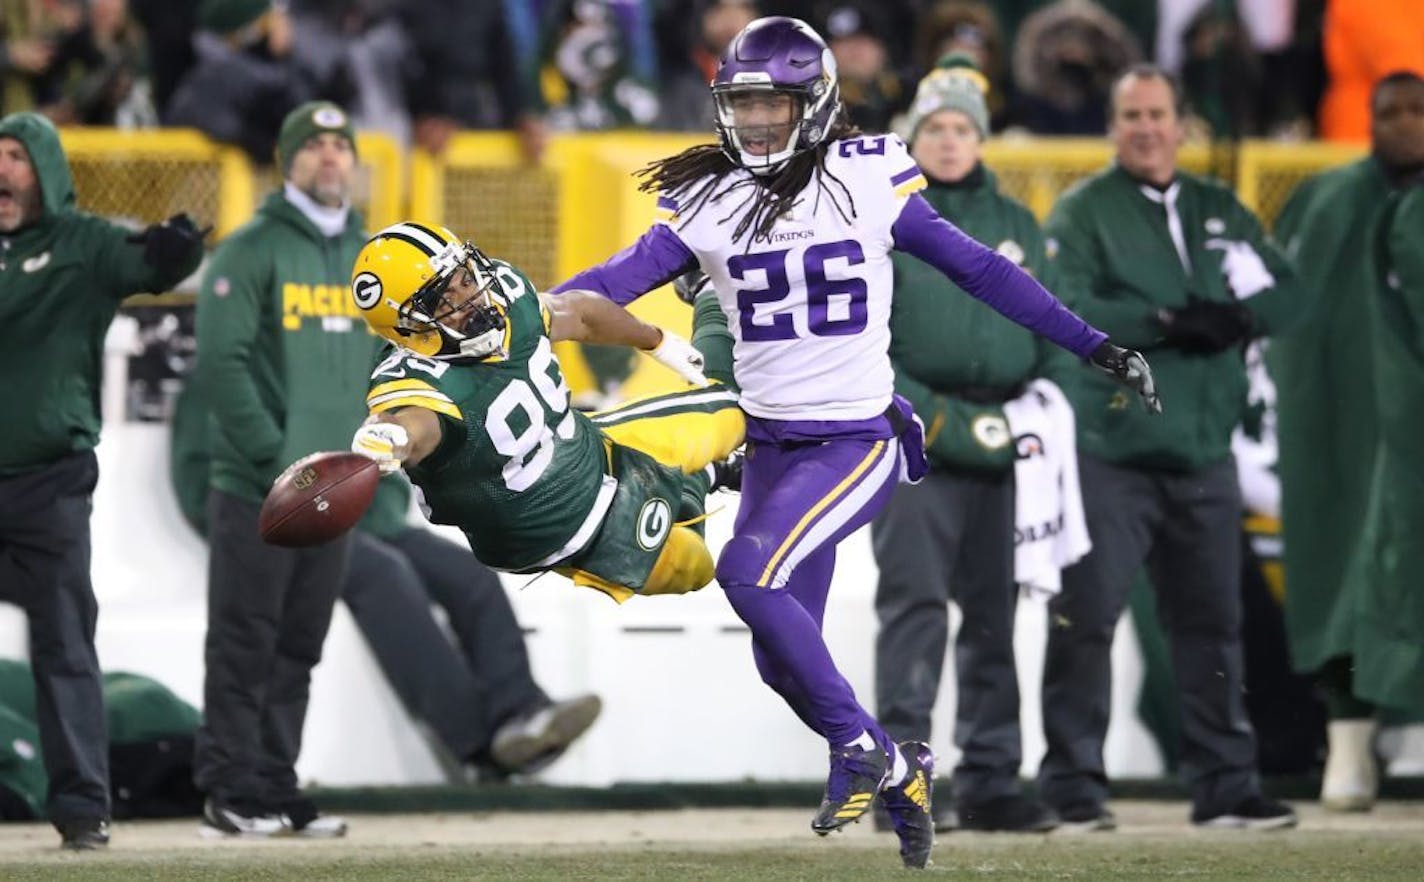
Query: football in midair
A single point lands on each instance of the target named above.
(318, 498)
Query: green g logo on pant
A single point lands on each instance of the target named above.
(654, 522)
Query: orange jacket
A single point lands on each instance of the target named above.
(1365, 40)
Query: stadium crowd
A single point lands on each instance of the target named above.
(1237, 325)
(422, 69)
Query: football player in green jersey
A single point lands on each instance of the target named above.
(471, 402)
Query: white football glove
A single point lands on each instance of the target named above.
(380, 441)
(680, 356)
(1246, 272)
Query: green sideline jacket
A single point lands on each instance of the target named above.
(1117, 266)
(283, 354)
(1326, 424)
(1388, 633)
(950, 351)
(61, 280)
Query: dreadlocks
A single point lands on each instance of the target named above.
(767, 199)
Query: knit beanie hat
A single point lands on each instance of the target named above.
(954, 84)
(226, 16)
(308, 121)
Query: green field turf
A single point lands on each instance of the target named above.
(1154, 843)
(1334, 857)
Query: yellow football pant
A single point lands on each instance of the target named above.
(683, 566)
(685, 430)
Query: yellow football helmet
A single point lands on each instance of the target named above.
(402, 283)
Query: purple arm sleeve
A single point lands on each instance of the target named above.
(657, 258)
(990, 277)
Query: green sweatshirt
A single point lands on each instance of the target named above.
(1117, 266)
(61, 279)
(951, 352)
(283, 354)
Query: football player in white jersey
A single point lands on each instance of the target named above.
(792, 216)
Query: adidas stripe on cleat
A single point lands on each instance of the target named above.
(909, 805)
(856, 777)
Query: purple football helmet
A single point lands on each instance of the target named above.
(777, 54)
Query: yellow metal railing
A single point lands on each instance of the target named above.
(580, 203)
(604, 212)
(483, 189)
(1036, 171)
(147, 175)
(1269, 171)
(143, 176)
(380, 187)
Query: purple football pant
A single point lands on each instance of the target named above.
(798, 502)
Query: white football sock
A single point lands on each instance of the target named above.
(864, 742)
(899, 767)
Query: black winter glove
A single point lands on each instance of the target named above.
(170, 242)
(1130, 369)
(689, 285)
(1206, 326)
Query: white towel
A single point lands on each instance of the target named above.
(1050, 531)
(1256, 456)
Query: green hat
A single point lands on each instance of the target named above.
(954, 84)
(226, 16)
(308, 121)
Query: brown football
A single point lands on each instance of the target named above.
(318, 498)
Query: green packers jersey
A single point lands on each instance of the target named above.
(518, 470)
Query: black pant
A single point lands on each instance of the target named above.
(44, 569)
(463, 693)
(1187, 527)
(951, 537)
(268, 612)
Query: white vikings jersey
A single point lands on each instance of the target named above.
(810, 307)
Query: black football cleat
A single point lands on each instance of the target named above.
(908, 805)
(856, 777)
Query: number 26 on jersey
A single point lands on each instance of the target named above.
(835, 307)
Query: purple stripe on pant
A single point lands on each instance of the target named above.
(798, 501)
